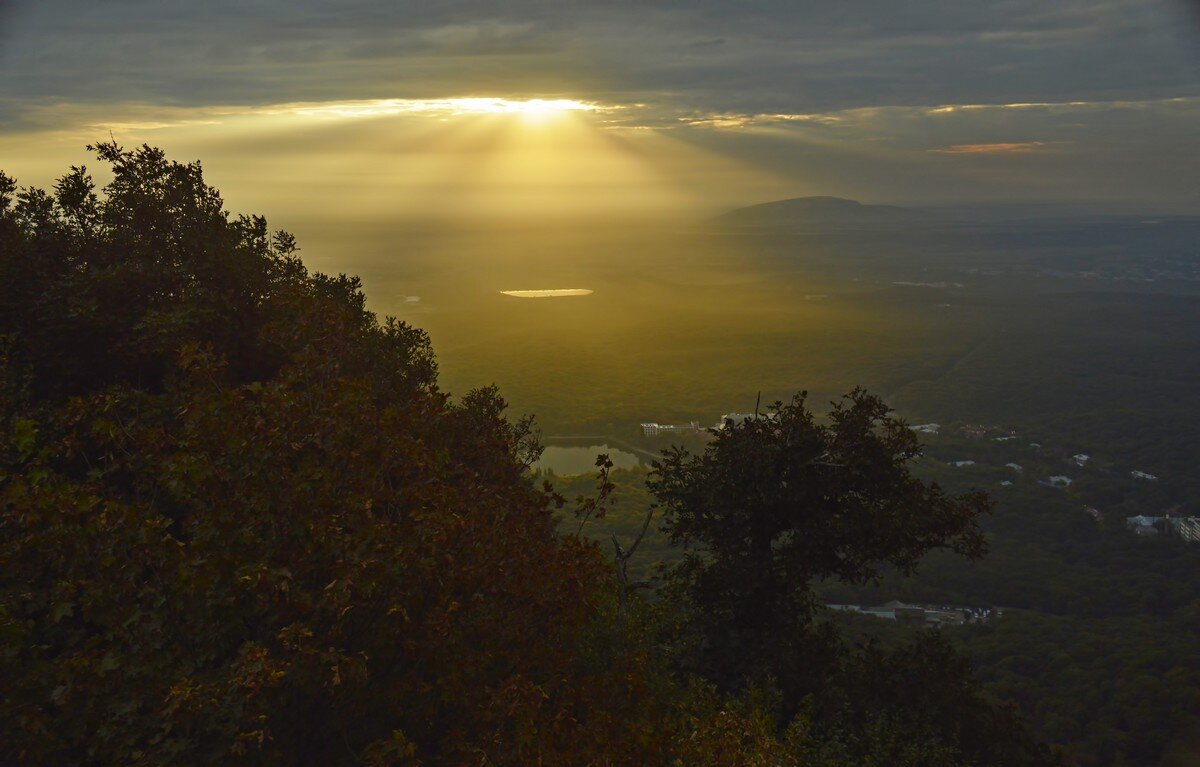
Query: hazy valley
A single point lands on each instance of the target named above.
(1028, 342)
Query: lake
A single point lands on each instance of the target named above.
(553, 293)
(582, 460)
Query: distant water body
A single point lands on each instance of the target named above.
(566, 461)
(556, 293)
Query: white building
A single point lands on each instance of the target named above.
(1141, 520)
(1056, 481)
(1080, 459)
(1142, 475)
(1189, 529)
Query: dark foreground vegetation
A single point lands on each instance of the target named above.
(242, 524)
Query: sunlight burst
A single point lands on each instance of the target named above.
(445, 107)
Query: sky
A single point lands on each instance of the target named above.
(366, 108)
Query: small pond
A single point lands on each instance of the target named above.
(582, 459)
(554, 293)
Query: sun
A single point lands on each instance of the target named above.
(518, 106)
(535, 109)
(545, 106)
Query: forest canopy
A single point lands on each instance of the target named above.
(242, 523)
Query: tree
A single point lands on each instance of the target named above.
(105, 289)
(918, 704)
(780, 500)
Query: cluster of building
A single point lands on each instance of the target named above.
(1059, 481)
(654, 429)
(974, 431)
(1187, 528)
(922, 615)
(1171, 523)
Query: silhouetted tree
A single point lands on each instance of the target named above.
(780, 500)
(104, 289)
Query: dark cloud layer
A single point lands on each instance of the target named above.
(787, 56)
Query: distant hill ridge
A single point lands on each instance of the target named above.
(810, 211)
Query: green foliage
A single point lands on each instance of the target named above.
(1109, 690)
(628, 504)
(918, 703)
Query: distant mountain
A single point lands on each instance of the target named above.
(822, 211)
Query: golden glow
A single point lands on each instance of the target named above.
(439, 107)
(1024, 147)
(463, 158)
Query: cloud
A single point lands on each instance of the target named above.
(735, 120)
(1024, 147)
(781, 56)
(873, 84)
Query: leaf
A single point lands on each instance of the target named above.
(61, 610)
(25, 432)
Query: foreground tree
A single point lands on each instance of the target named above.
(105, 289)
(241, 523)
(781, 500)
